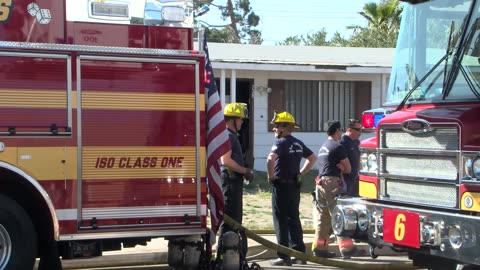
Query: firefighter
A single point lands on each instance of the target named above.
(233, 171)
(332, 163)
(284, 174)
(351, 143)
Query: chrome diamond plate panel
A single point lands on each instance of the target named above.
(97, 49)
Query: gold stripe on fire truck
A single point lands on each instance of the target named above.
(367, 190)
(9, 155)
(20, 98)
(476, 201)
(140, 101)
(45, 163)
(141, 162)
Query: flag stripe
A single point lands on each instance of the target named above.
(217, 144)
(216, 141)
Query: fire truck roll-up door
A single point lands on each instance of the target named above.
(140, 150)
(35, 91)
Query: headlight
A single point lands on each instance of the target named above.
(372, 162)
(476, 168)
(363, 161)
(369, 162)
(468, 167)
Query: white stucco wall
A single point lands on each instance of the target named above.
(263, 138)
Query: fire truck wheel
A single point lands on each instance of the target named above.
(18, 240)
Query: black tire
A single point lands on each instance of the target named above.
(18, 235)
(371, 252)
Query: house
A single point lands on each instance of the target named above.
(315, 84)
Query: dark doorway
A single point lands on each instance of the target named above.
(244, 95)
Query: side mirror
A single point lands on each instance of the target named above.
(201, 11)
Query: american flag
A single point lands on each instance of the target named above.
(217, 143)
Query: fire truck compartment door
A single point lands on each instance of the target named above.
(138, 142)
(35, 93)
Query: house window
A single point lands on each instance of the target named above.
(314, 103)
(336, 101)
(301, 100)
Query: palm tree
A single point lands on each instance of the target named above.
(372, 15)
(383, 16)
(383, 23)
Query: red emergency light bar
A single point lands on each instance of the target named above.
(370, 118)
(367, 120)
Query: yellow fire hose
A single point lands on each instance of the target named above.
(319, 260)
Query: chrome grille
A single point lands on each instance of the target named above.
(438, 167)
(422, 193)
(419, 168)
(437, 139)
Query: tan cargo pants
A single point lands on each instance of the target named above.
(327, 191)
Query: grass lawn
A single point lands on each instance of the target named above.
(257, 203)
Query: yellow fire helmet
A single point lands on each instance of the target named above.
(236, 110)
(284, 117)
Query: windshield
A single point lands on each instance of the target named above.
(428, 41)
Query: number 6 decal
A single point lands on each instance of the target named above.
(5, 10)
(400, 227)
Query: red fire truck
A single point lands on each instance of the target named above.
(420, 178)
(102, 129)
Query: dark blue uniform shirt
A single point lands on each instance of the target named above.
(353, 153)
(237, 154)
(290, 151)
(330, 154)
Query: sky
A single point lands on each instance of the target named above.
(280, 19)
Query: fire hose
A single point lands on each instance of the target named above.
(313, 259)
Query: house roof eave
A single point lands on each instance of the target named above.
(319, 67)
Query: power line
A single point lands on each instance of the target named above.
(303, 11)
(310, 17)
(295, 11)
(261, 3)
(299, 15)
(293, 15)
(254, 3)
